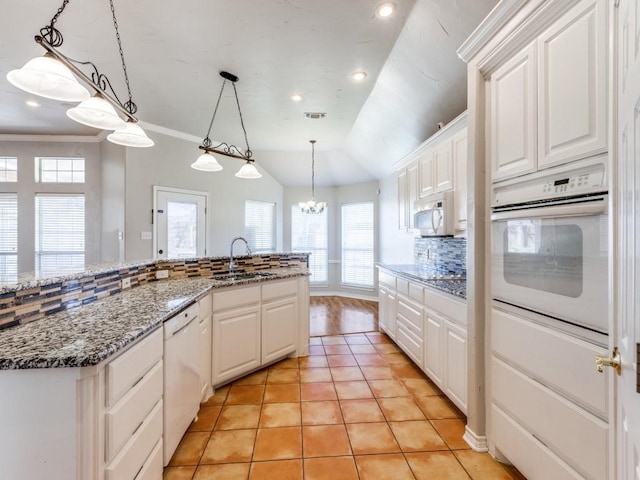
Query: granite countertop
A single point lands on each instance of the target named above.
(88, 334)
(451, 284)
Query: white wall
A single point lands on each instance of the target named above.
(395, 245)
(26, 188)
(335, 197)
(113, 205)
(168, 165)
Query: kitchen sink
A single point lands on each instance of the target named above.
(230, 277)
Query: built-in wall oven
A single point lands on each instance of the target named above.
(550, 245)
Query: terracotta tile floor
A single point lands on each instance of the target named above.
(355, 409)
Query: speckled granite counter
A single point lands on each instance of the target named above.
(456, 286)
(88, 334)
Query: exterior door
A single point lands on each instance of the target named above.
(180, 223)
(627, 300)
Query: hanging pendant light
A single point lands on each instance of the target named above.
(55, 76)
(206, 161)
(311, 206)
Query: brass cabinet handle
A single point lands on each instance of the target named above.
(613, 361)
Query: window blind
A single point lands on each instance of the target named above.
(8, 237)
(357, 244)
(259, 225)
(309, 234)
(60, 233)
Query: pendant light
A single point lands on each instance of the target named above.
(55, 76)
(311, 206)
(207, 162)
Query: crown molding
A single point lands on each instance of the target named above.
(16, 137)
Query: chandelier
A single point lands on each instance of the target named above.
(55, 76)
(311, 206)
(206, 161)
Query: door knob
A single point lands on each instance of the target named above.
(612, 361)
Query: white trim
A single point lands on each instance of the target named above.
(478, 443)
(344, 294)
(15, 137)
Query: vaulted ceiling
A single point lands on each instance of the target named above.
(174, 51)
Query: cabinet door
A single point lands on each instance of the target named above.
(513, 116)
(236, 342)
(456, 362)
(443, 170)
(572, 79)
(205, 355)
(459, 144)
(434, 353)
(387, 312)
(279, 333)
(427, 181)
(412, 191)
(402, 200)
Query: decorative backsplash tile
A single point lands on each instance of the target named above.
(442, 255)
(33, 300)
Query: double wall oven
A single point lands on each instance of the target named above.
(550, 246)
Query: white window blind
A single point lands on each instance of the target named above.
(59, 170)
(8, 237)
(309, 234)
(8, 169)
(260, 225)
(60, 235)
(357, 244)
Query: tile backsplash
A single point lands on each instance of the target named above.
(442, 255)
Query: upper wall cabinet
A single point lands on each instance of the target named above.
(427, 181)
(548, 102)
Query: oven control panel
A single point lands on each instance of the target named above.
(566, 181)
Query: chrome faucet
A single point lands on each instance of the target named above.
(232, 266)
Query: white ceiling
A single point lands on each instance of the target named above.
(174, 51)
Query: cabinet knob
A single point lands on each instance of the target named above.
(613, 361)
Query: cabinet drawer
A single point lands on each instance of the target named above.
(539, 350)
(236, 298)
(125, 417)
(552, 419)
(402, 286)
(531, 457)
(455, 310)
(411, 315)
(133, 456)
(410, 343)
(416, 292)
(126, 370)
(205, 305)
(152, 468)
(271, 290)
(387, 279)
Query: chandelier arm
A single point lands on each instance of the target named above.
(130, 105)
(97, 81)
(246, 139)
(207, 141)
(227, 150)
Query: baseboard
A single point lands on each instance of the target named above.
(478, 443)
(343, 294)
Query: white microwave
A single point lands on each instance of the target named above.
(434, 215)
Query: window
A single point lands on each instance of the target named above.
(259, 225)
(357, 244)
(59, 170)
(8, 169)
(8, 237)
(60, 237)
(309, 234)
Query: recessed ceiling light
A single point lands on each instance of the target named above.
(32, 103)
(296, 97)
(385, 9)
(358, 76)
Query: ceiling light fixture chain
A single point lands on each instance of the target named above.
(248, 153)
(207, 141)
(311, 206)
(55, 37)
(130, 105)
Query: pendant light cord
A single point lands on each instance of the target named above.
(130, 105)
(313, 170)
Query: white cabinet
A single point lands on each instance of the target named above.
(434, 352)
(409, 320)
(387, 303)
(279, 319)
(204, 347)
(549, 101)
(443, 167)
(455, 345)
(403, 212)
(427, 181)
(460, 189)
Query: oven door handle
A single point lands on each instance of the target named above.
(572, 210)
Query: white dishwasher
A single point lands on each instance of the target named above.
(181, 377)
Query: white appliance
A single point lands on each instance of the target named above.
(434, 215)
(181, 377)
(550, 244)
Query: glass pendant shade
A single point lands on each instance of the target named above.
(311, 206)
(98, 113)
(49, 78)
(206, 163)
(132, 135)
(248, 170)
